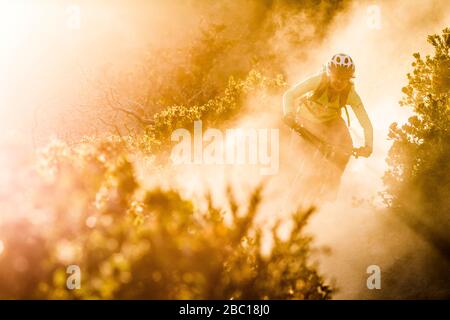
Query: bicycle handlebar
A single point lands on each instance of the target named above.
(326, 148)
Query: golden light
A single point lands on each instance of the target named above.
(16, 18)
(91, 221)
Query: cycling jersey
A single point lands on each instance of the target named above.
(321, 109)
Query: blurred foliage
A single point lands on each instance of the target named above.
(88, 209)
(82, 203)
(135, 243)
(154, 244)
(418, 179)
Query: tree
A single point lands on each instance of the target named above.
(418, 179)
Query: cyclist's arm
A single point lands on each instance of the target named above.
(358, 108)
(297, 91)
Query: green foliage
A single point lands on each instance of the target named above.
(214, 112)
(153, 244)
(135, 243)
(84, 204)
(418, 179)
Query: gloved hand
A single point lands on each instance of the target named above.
(289, 119)
(363, 151)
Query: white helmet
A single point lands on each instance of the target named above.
(342, 65)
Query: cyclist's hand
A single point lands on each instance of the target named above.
(289, 119)
(363, 152)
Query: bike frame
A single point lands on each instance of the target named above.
(328, 150)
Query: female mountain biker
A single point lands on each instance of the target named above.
(316, 105)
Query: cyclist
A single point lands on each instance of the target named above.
(316, 105)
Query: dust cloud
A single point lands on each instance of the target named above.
(52, 73)
(362, 233)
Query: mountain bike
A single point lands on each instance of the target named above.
(328, 183)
